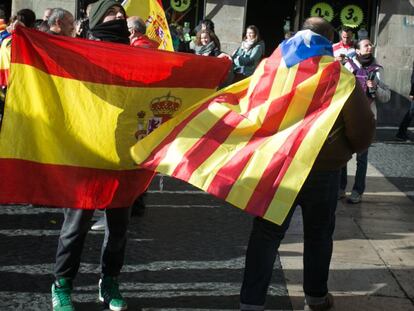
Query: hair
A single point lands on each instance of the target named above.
(27, 17)
(139, 25)
(209, 24)
(255, 30)
(319, 26)
(289, 34)
(212, 36)
(57, 13)
(41, 25)
(358, 43)
(347, 29)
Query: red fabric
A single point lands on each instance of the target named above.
(76, 56)
(30, 182)
(144, 42)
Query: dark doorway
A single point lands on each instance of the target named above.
(272, 18)
(5, 9)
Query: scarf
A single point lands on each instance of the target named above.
(247, 44)
(205, 50)
(112, 31)
(98, 10)
(365, 60)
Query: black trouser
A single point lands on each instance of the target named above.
(76, 225)
(405, 122)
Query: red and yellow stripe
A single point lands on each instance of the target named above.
(71, 116)
(254, 145)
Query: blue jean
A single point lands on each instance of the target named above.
(360, 175)
(318, 200)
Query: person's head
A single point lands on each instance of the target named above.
(105, 11)
(320, 26)
(252, 33)
(47, 13)
(136, 26)
(289, 34)
(207, 24)
(61, 22)
(41, 25)
(205, 36)
(346, 35)
(26, 17)
(364, 47)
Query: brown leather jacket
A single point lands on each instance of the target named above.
(352, 132)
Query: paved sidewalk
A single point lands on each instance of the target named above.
(373, 261)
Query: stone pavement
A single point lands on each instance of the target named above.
(373, 261)
(187, 253)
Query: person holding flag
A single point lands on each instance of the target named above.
(352, 132)
(107, 23)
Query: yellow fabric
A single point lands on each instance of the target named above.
(5, 54)
(246, 184)
(88, 118)
(154, 16)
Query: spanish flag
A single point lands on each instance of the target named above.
(75, 107)
(254, 143)
(153, 14)
(5, 50)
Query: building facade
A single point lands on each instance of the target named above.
(388, 23)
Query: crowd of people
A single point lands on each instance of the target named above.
(352, 133)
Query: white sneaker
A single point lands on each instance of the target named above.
(99, 225)
(354, 198)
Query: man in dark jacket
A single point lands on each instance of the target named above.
(402, 134)
(107, 23)
(352, 132)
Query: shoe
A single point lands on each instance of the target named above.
(354, 198)
(110, 295)
(325, 306)
(61, 291)
(99, 225)
(401, 137)
(138, 208)
(341, 194)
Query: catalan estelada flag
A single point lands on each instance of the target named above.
(253, 145)
(75, 107)
(152, 12)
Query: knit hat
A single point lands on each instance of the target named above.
(98, 10)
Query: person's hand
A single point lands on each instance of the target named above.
(224, 55)
(339, 58)
(411, 97)
(13, 25)
(372, 84)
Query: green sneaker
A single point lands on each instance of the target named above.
(110, 295)
(61, 290)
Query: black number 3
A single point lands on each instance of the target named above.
(350, 14)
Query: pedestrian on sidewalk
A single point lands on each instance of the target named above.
(402, 134)
(352, 132)
(107, 23)
(370, 76)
